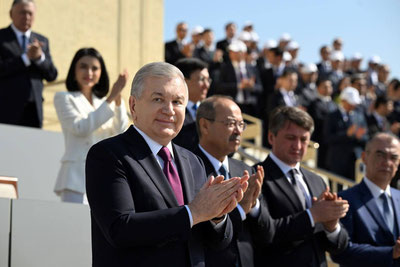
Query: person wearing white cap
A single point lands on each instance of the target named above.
(355, 64)
(324, 66)
(197, 36)
(372, 71)
(383, 82)
(337, 64)
(307, 88)
(293, 49)
(284, 41)
(346, 134)
(337, 44)
(230, 31)
(177, 49)
(239, 79)
(263, 61)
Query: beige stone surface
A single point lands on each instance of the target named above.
(128, 34)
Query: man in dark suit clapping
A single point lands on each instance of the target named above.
(25, 62)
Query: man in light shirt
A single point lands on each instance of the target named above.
(25, 62)
(374, 215)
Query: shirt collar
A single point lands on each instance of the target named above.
(19, 33)
(215, 162)
(375, 190)
(282, 165)
(153, 145)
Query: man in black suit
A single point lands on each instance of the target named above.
(377, 120)
(346, 132)
(24, 62)
(230, 31)
(198, 82)
(177, 49)
(324, 67)
(290, 191)
(220, 125)
(150, 201)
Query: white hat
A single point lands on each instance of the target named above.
(337, 56)
(248, 23)
(254, 36)
(351, 95)
(237, 46)
(285, 37)
(309, 68)
(197, 30)
(270, 44)
(287, 56)
(245, 36)
(357, 56)
(375, 59)
(293, 45)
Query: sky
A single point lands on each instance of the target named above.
(371, 27)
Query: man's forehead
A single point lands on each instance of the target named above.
(392, 147)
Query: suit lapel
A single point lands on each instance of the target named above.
(396, 207)
(207, 164)
(142, 153)
(373, 209)
(234, 169)
(185, 174)
(15, 43)
(279, 178)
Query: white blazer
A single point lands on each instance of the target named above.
(84, 125)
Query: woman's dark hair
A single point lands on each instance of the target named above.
(101, 88)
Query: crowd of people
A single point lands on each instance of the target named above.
(348, 104)
(165, 191)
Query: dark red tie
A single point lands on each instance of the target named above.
(171, 174)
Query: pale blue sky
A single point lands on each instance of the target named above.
(366, 26)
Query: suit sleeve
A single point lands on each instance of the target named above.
(357, 254)
(72, 120)
(114, 210)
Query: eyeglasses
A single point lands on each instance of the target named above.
(231, 123)
(204, 79)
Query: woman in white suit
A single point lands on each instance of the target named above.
(87, 116)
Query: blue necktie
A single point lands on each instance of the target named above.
(23, 46)
(387, 215)
(223, 172)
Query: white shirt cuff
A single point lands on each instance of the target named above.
(220, 224)
(255, 211)
(41, 59)
(241, 212)
(190, 216)
(333, 237)
(311, 218)
(26, 60)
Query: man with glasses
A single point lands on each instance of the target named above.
(198, 82)
(220, 126)
(374, 216)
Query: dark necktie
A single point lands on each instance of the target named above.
(223, 172)
(387, 215)
(171, 174)
(299, 189)
(23, 45)
(194, 107)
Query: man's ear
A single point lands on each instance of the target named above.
(132, 106)
(204, 126)
(270, 137)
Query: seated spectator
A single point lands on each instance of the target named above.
(383, 74)
(86, 116)
(346, 133)
(373, 217)
(337, 63)
(372, 71)
(355, 64)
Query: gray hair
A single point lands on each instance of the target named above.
(207, 111)
(154, 69)
(281, 115)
